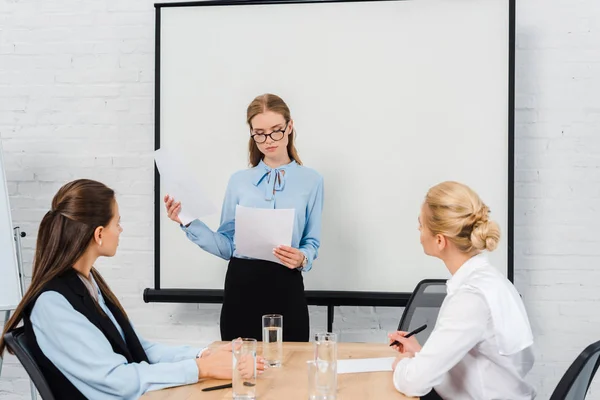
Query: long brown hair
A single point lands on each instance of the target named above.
(64, 235)
(261, 104)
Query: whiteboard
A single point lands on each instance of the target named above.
(10, 286)
(388, 97)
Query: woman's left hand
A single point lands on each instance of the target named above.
(401, 357)
(289, 256)
(247, 366)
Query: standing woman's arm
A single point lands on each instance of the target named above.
(219, 243)
(311, 237)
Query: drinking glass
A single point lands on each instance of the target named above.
(244, 368)
(272, 337)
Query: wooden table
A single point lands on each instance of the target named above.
(290, 382)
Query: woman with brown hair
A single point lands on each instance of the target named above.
(481, 345)
(75, 327)
(275, 180)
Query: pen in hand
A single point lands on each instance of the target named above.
(414, 332)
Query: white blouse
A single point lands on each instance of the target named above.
(481, 346)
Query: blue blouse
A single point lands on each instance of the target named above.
(289, 186)
(85, 357)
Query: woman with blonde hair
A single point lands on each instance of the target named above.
(276, 179)
(481, 346)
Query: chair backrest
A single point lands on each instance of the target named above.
(15, 341)
(423, 307)
(576, 381)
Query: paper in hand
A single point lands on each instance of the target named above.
(259, 230)
(365, 365)
(177, 181)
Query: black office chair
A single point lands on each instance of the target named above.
(15, 341)
(576, 381)
(423, 307)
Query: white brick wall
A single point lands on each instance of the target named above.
(76, 100)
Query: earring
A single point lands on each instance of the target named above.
(100, 243)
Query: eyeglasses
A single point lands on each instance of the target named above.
(275, 135)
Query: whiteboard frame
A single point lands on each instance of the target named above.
(18, 272)
(328, 298)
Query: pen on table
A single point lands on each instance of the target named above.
(419, 329)
(226, 386)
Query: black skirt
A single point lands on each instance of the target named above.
(254, 288)
(432, 396)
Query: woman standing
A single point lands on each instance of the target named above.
(277, 179)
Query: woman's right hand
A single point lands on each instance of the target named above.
(217, 364)
(410, 345)
(173, 208)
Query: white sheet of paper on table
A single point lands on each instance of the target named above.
(259, 230)
(178, 182)
(365, 365)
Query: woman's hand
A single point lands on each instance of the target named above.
(218, 364)
(410, 345)
(289, 256)
(399, 358)
(173, 208)
(246, 366)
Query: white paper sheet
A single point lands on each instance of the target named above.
(259, 230)
(365, 365)
(178, 182)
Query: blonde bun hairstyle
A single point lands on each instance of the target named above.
(457, 212)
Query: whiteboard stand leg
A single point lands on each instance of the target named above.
(18, 236)
(6, 318)
(33, 391)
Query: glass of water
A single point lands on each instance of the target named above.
(272, 338)
(313, 393)
(244, 368)
(323, 372)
